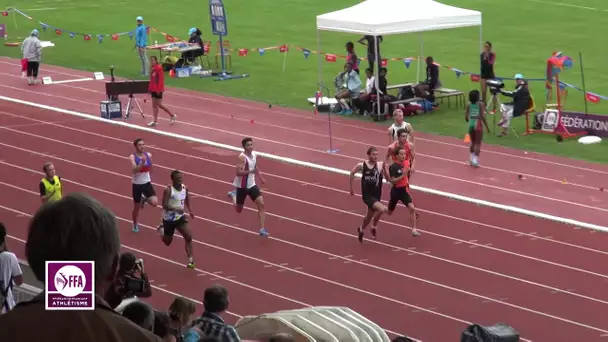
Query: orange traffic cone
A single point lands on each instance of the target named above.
(172, 73)
(467, 138)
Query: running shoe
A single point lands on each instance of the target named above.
(360, 234)
(232, 193)
(415, 232)
(135, 229)
(152, 124)
(172, 121)
(347, 112)
(263, 232)
(160, 229)
(374, 233)
(191, 265)
(142, 202)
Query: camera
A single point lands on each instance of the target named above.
(495, 86)
(135, 285)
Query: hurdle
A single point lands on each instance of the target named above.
(97, 76)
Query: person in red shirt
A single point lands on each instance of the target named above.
(404, 142)
(400, 191)
(156, 89)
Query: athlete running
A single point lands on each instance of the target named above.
(175, 199)
(397, 125)
(372, 172)
(143, 190)
(402, 140)
(401, 188)
(244, 182)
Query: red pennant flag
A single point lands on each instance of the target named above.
(330, 58)
(114, 37)
(58, 32)
(5, 14)
(87, 37)
(475, 78)
(592, 98)
(384, 62)
(283, 48)
(243, 52)
(148, 30)
(170, 38)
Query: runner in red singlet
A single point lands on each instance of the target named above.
(403, 141)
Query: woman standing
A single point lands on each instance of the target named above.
(31, 50)
(488, 58)
(352, 56)
(475, 117)
(156, 89)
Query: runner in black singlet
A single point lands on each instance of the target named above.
(372, 175)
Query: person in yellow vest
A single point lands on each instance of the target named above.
(51, 189)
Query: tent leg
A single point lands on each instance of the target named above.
(377, 80)
(320, 59)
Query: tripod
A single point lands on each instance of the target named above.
(133, 101)
(493, 107)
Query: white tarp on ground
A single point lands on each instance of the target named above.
(384, 17)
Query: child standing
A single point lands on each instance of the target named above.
(475, 115)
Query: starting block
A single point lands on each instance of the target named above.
(97, 76)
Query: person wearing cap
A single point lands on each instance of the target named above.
(196, 38)
(519, 105)
(141, 41)
(31, 50)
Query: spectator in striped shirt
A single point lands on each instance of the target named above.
(210, 324)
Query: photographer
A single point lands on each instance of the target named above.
(131, 281)
(519, 105)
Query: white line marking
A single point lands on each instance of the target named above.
(381, 131)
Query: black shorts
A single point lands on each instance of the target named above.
(242, 193)
(476, 135)
(169, 227)
(146, 190)
(370, 201)
(156, 95)
(399, 194)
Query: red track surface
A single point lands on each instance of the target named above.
(472, 264)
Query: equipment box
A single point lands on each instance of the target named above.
(111, 109)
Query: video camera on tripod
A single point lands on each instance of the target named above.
(495, 86)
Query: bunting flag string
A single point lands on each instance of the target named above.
(283, 48)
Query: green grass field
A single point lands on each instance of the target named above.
(524, 34)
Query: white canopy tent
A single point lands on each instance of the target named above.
(386, 17)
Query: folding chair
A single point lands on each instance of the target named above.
(205, 55)
(227, 53)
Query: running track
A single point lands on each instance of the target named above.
(472, 264)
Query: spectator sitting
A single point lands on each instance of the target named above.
(282, 337)
(427, 88)
(141, 314)
(180, 316)
(365, 99)
(210, 324)
(348, 84)
(76, 227)
(352, 56)
(10, 273)
(384, 96)
(128, 279)
(189, 57)
(519, 105)
(162, 326)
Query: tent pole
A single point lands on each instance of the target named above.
(377, 72)
(418, 58)
(320, 59)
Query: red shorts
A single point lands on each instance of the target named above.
(24, 64)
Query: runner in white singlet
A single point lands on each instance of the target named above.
(246, 172)
(143, 190)
(175, 199)
(399, 124)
